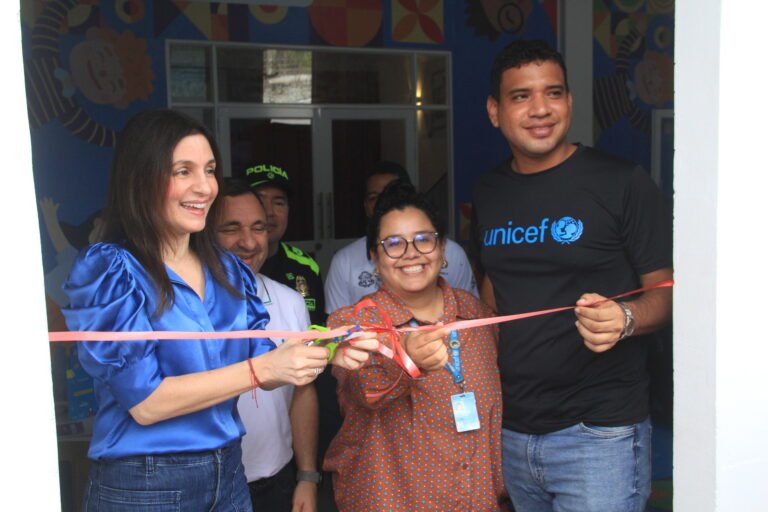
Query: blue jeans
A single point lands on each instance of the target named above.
(182, 482)
(583, 468)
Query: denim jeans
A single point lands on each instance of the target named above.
(182, 482)
(583, 468)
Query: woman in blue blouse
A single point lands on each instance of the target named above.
(167, 434)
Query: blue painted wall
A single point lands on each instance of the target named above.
(73, 171)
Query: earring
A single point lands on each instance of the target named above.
(376, 272)
(445, 263)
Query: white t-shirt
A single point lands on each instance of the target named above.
(351, 278)
(268, 443)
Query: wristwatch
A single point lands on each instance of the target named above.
(629, 321)
(309, 476)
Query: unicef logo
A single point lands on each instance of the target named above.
(567, 230)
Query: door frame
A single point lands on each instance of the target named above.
(323, 244)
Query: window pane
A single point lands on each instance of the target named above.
(288, 76)
(382, 140)
(432, 126)
(288, 144)
(362, 78)
(190, 73)
(241, 74)
(431, 82)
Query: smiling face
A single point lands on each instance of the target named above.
(414, 272)
(534, 114)
(192, 187)
(97, 72)
(243, 229)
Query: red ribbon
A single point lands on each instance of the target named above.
(397, 353)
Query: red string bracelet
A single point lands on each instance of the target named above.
(254, 381)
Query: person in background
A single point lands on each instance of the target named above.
(281, 425)
(297, 270)
(167, 432)
(285, 263)
(351, 275)
(559, 223)
(431, 443)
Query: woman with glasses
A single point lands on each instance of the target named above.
(430, 443)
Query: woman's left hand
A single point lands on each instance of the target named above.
(354, 353)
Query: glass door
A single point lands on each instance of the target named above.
(350, 142)
(274, 135)
(326, 153)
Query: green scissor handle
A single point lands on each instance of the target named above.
(330, 343)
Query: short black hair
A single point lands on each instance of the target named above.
(521, 52)
(388, 167)
(399, 195)
(234, 187)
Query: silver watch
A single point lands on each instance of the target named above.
(309, 476)
(629, 321)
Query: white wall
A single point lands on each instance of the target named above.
(30, 478)
(721, 346)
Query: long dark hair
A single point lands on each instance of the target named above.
(139, 180)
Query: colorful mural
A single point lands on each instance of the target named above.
(491, 18)
(103, 68)
(418, 21)
(346, 22)
(633, 72)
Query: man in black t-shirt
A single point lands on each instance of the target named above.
(559, 224)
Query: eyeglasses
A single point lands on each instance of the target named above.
(397, 246)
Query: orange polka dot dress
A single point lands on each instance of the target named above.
(400, 451)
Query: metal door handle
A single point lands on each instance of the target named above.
(320, 209)
(329, 215)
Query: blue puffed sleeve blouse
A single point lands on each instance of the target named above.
(109, 290)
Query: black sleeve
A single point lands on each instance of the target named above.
(318, 316)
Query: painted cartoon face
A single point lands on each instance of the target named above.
(96, 71)
(413, 272)
(192, 187)
(653, 77)
(533, 112)
(243, 229)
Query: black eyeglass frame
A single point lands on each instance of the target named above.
(407, 242)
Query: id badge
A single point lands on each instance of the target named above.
(465, 412)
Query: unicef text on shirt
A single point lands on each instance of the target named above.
(565, 230)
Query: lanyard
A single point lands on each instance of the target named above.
(454, 367)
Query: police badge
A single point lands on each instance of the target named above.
(301, 286)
